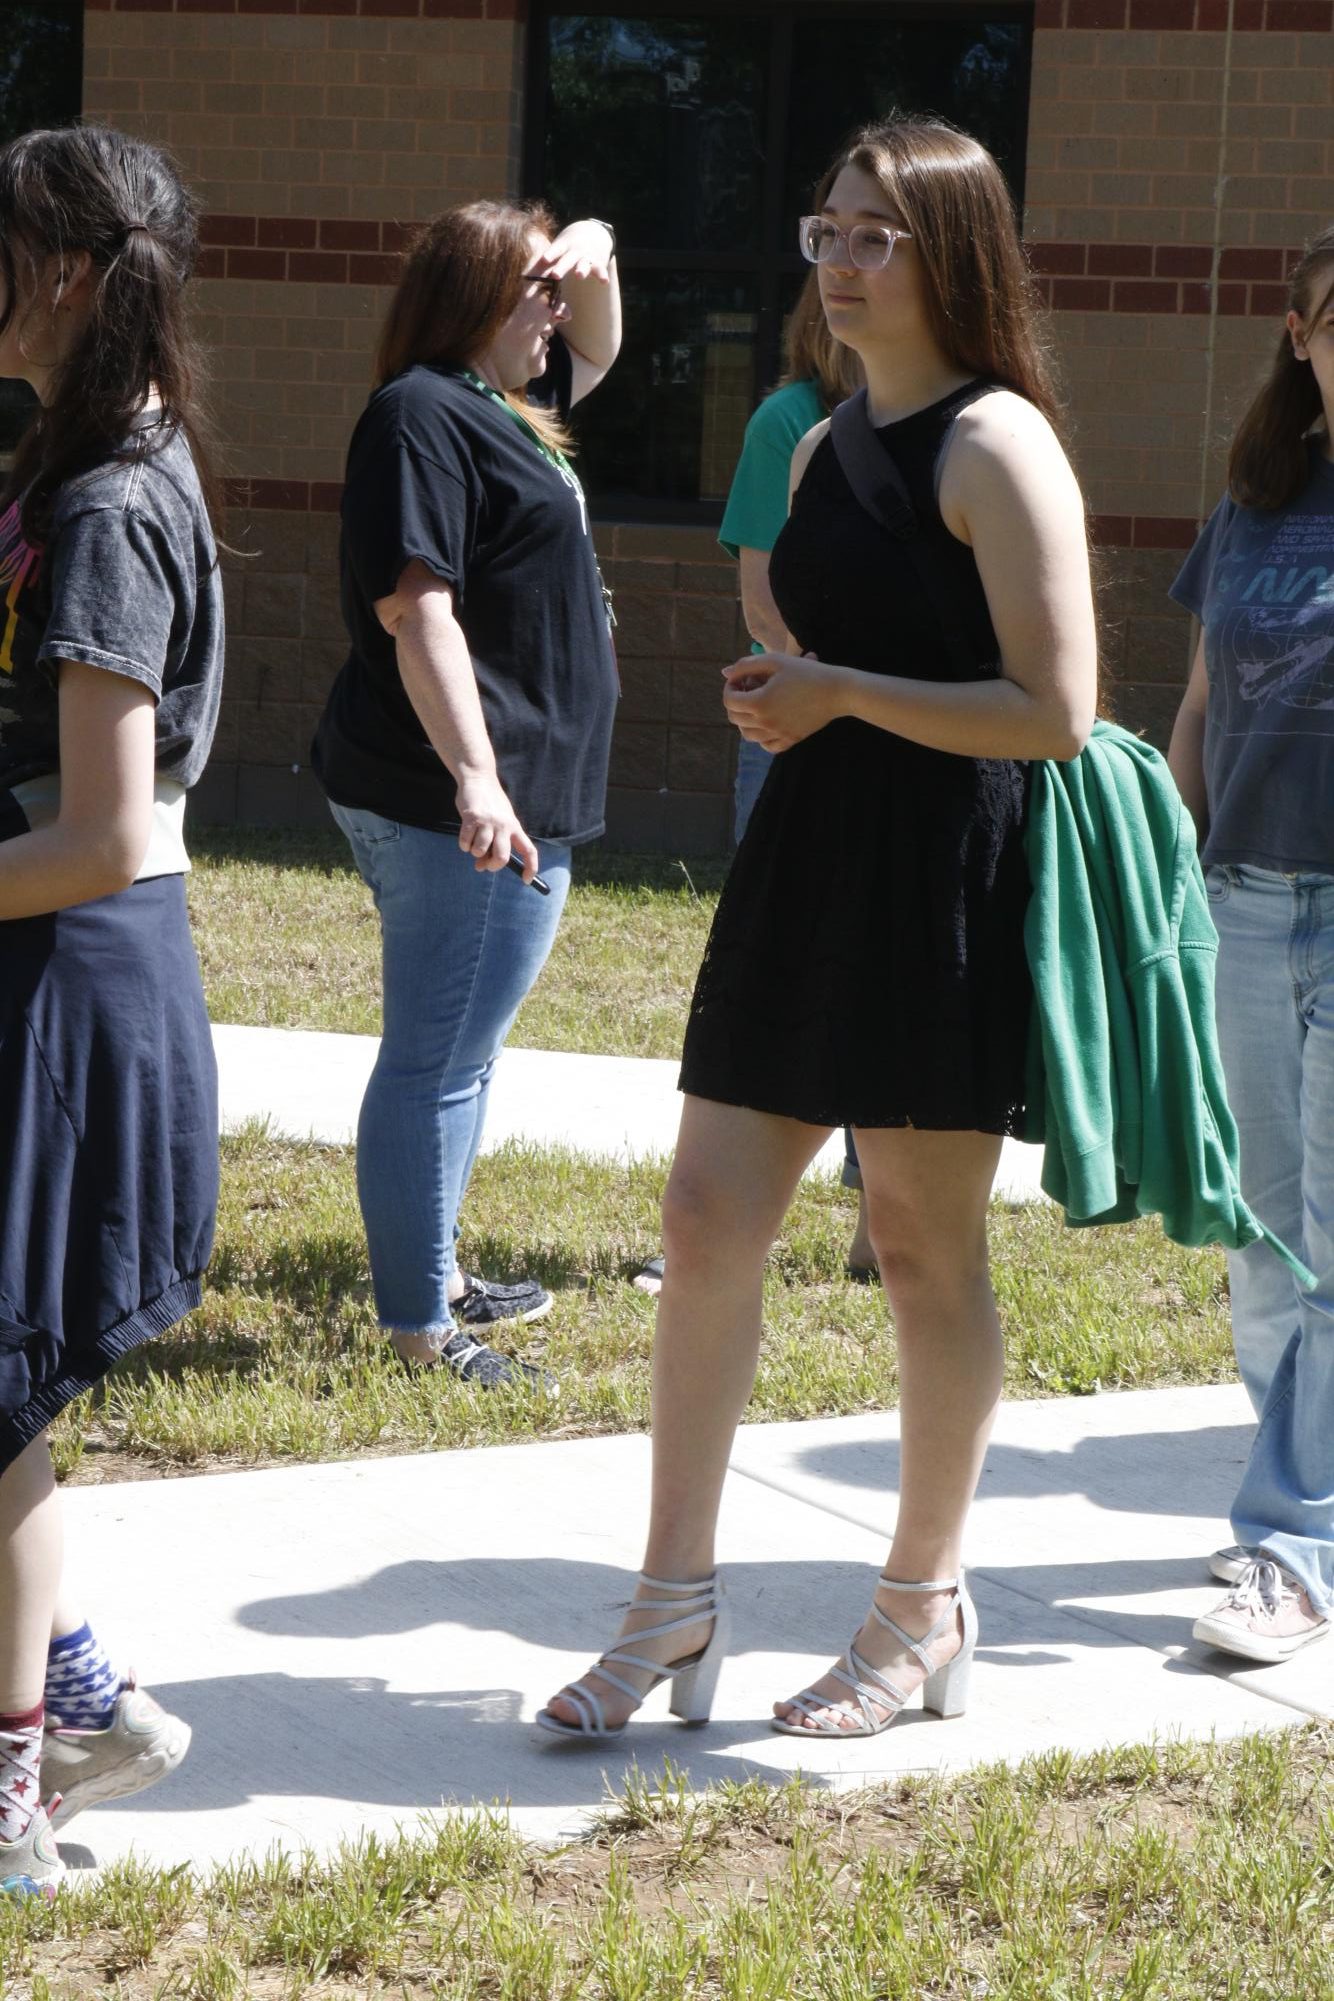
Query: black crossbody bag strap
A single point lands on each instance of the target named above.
(879, 487)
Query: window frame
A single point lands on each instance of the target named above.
(770, 272)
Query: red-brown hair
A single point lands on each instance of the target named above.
(982, 303)
(1269, 463)
(462, 278)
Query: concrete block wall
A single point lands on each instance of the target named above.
(1180, 153)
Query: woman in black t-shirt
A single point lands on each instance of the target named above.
(471, 720)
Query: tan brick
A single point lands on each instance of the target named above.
(297, 100)
(113, 99)
(325, 134)
(639, 755)
(385, 135)
(646, 687)
(272, 66)
(143, 65)
(289, 32)
(699, 759)
(1119, 116)
(1186, 120)
(356, 100)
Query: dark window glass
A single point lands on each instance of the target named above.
(664, 115)
(671, 413)
(848, 72)
(41, 83)
(700, 134)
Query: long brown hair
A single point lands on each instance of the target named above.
(983, 306)
(85, 187)
(810, 352)
(462, 278)
(1268, 465)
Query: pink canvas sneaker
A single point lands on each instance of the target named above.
(1266, 1616)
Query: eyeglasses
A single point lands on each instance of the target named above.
(549, 285)
(870, 245)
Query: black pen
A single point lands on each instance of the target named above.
(542, 888)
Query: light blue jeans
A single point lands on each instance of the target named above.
(1275, 1000)
(461, 950)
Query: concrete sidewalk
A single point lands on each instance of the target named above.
(356, 1643)
(309, 1085)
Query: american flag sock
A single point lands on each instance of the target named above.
(20, 1763)
(81, 1683)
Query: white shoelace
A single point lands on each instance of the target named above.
(1261, 1589)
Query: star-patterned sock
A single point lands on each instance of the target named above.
(81, 1683)
(20, 1762)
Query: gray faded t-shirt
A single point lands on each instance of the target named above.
(128, 581)
(1262, 586)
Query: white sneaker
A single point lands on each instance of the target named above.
(139, 1746)
(31, 1866)
(1266, 1616)
(1227, 1565)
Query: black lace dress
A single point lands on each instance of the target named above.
(866, 965)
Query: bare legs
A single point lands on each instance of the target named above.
(731, 1182)
(31, 1553)
(926, 1193)
(927, 1198)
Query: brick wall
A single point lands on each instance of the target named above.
(1175, 169)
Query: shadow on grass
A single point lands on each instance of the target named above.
(311, 848)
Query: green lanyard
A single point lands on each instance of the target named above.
(553, 457)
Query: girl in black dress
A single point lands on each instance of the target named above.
(866, 965)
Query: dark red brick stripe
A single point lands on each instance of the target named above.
(1161, 278)
(1074, 277)
(1291, 17)
(304, 496)
(328, 250)
(366, 10)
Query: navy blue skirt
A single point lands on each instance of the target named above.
(108, 1143)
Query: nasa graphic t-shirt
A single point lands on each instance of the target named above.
(1262, 586)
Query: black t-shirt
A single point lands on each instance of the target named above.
(438, 472)
(128, 581)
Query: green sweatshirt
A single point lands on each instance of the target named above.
(1126, 1085)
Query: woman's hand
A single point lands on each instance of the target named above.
(582, 250)
(777, 699)
(489, 828)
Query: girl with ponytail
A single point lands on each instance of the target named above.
(1253, 754)
(110, 671)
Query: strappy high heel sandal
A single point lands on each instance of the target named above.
(944, 1692)
(693, 1679)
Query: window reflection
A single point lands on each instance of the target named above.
(665, 115)
(671, 414)
(847, 72)
(701, 134)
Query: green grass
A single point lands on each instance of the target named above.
(283, 1360)
(1183, 1873)
(288, 938)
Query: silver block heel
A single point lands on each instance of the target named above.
(944, 1692)
(694, 1680)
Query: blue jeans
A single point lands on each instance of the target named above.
(1275, 1000)
(461, 950)
(752, 768)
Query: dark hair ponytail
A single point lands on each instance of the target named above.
(86, 187)
(1269, 463)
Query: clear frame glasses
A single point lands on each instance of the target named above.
(870, 245)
